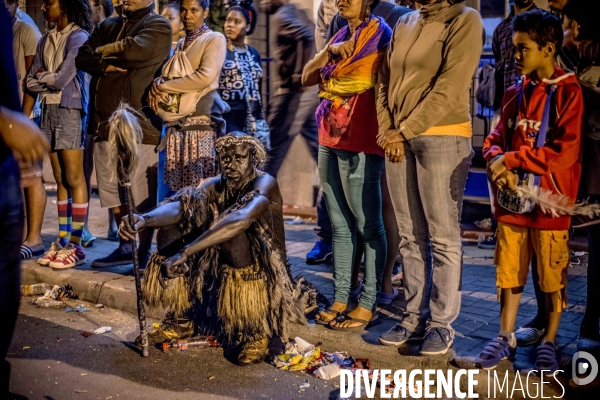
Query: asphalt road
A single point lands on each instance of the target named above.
(51, 360)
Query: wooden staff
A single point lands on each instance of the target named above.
(124, 135)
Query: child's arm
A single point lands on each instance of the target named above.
(564, 149)
(494, 145)
(67, 70)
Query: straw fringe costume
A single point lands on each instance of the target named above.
(237, 304)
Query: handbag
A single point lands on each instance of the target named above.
(178, 105)
(514, 201)
(256, 127)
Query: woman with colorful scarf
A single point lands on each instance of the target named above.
(350, 162)
(190, 142)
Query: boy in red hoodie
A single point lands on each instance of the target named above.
(513, 146)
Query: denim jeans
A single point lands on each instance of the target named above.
(11, 234)
(352, 189)
(427, 188)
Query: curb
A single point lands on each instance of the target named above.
(110, 289)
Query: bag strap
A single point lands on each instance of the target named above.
(543, 131)
(541, 139)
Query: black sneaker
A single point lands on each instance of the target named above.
(398, 335)
(115, 258)
(437, 341)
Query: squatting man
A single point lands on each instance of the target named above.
(229, 273)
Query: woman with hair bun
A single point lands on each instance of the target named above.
(241, 76)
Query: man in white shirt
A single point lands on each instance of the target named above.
(25, 39)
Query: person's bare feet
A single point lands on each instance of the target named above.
(329, 315)
(358, 313)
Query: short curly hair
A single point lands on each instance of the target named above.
(541, 26)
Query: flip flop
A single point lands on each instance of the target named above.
(27, 252)
(364, 323)
(322, 321)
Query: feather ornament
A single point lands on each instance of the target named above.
(124, 134)
(556, 204)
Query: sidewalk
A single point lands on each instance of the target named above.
(477, 323)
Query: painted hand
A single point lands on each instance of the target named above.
(175, 266)
(127, 231)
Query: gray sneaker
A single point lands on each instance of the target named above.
(437, 341)
(398, 336)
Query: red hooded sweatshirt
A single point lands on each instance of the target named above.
(558, 162)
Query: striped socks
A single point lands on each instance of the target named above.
(64, 221)
(79, 213)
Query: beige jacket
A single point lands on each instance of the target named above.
(208, 53)
(426, 75)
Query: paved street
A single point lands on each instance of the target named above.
(105, 365)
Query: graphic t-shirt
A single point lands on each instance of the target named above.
(240, 79)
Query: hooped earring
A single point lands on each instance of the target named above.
(367, 13)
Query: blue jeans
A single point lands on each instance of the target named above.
(11, 234)
(427, 189)
(352, 190)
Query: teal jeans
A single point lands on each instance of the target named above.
(352, 190)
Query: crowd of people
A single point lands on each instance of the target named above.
(380, 92)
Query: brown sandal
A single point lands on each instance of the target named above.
(324, 322)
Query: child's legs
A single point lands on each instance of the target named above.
(62, 189)
(512, 257)
(552, 252)
(74, 178)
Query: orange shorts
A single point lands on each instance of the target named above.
(515, 248)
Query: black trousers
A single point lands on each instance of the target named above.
(11, 235)
(291, 114)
